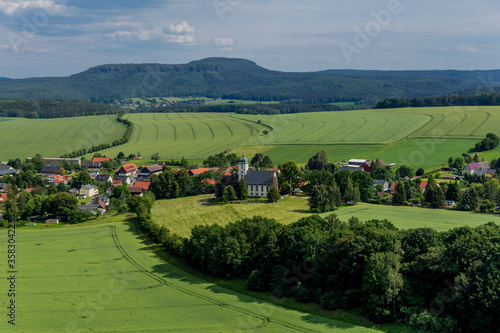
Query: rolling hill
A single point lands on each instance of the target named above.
(244, 79)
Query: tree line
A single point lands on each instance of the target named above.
(420, 277)
(453, 100)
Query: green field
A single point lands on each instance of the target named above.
(180, 215)
(189, 135)
(21, 138)
(422, 137)
(416, 217)
(105, 278)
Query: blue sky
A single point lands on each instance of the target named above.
(63, 37)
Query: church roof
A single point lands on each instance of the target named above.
(254, 177)
(243, 159)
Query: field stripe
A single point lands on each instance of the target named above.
(454, 127)
(228, 128)
(192, 131)
(488, 115)
(342, 122)
(168, 118)
(154, 117)
(433, 127)
(379, 128)
(175, 131)
(357, 129)
(210, 129)
(127, 257)
(138, 134)
(157, 132)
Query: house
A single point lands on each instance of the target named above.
(479, 168)
(4, 187)
(356, 162)
(93, 209)
(102, 201)
(450, 203)
(136, 191)
(3, 196)
(278, 171)
(259, 183)
(384, 183)
(91, 165)
(127, 170)
(450, 177)
(423, 185)
(367, 165)
(57, 179)
(392, 189)
(48, 170)
(89, 191)
(101, 159)
(144, 185)
(122, 179)
(197, 172)
(59, 161)
(7, 170)
(104, 179)
(150, 170)
(73, 191)
(52, 221)
(208, 181)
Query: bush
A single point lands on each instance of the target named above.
(256, 281)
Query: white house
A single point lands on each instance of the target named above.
(258, 182)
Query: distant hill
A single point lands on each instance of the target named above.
(244, 79)
(4, 78)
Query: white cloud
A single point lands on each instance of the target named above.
(48, 6)
(223, 42)
(181, 28)
(467, 49)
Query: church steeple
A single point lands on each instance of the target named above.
(242, 167)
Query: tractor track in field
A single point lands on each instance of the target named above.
(154, 117)
(457, 125)
(175, 131)
(211, 129)
(163, 282)
(488, 115)
(157, 132)
(386, 121)
(168, 118)
(433, 127)
(357, 129)
(192, 131)
(138, 134)
(228, 128)
(342, 122)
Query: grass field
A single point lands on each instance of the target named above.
(180, 215)
(21, 138)
(422, 137)
(189, 135)
(105, 278)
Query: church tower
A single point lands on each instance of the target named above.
(242, 167)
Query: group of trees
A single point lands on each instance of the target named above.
(456, 100)
(53, 108)
(489, 143)
(172, 184)
(421, 277)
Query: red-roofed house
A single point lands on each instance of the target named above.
(423, 185)
(127, 170)
(101, 159)
(197, 172)
(392, 188)
(136, 191)
(208, 181)
(117, 183)
(144, 185)
(278, 171)
(3, 197)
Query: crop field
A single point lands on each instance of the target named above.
(189, 135)
(422, 137)
(180, 215)
(104, 278)
(21, 138)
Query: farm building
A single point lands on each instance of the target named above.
(150, 170)
(101, 159)
(7, 170)
(258, 182)
(197, 172)
(104, 178)
(351, 168)
(51, 170)
(91, 165)
(127, 170)
(144, 185)
(136, 191)
(479, 169)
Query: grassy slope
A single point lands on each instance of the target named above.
(21, 138)
(104, 278)
(180, 215)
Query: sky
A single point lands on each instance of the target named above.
(64, 37)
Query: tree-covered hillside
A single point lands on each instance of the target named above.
(243, 79)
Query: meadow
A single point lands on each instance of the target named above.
(180, 215)
(422, 137)
(21, 138)
(189, 135)
(104, 277)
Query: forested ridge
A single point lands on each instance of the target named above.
(243, 79)
(53, 108)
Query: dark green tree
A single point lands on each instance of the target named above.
(273, 195)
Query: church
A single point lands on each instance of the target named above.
(258, 182)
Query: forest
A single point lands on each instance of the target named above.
(490, 99)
